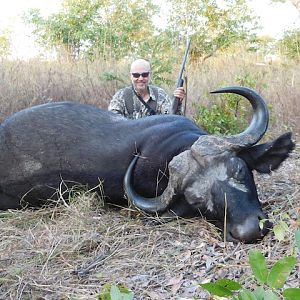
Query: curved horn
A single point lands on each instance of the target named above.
(260, 118)
(149, 205)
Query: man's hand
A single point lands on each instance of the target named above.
(179, 93)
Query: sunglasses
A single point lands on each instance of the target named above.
(137, 75)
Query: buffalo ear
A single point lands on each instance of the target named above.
(267, 157)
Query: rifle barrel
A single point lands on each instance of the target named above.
(187, 48)
(180, 81)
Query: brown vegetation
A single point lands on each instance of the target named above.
(71, 250)
(277, 82)
(28, 83)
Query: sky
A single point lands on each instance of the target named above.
(275, 19)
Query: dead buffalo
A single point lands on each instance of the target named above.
(168, 165)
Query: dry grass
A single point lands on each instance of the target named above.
(71, 251)
(25, 84)
(278, 83)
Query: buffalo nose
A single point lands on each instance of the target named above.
(252, 229)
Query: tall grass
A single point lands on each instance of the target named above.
(277, 82)
(26, 83)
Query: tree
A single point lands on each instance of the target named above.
(128, 25)
(214, 25)
(290, 44)
(110, 27)
(118, 28)
(5, 44)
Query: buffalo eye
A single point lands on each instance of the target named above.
(238, 170)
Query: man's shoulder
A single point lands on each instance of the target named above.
(159, 93)
(155, 87)
(123, 92)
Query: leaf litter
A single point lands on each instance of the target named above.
(70, 251)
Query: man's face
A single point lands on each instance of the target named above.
(140, 77)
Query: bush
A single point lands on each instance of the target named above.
(226, 116)
(230, 112)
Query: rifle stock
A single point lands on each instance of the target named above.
(180, 81)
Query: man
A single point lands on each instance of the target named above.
(141, 99)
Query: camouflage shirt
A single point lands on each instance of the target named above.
(126, 103)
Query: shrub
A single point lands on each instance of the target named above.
(226, 116)
(230, 113)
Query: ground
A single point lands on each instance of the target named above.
(70, 251)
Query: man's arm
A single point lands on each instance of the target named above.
(117, 104)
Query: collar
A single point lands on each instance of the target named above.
(150, 91)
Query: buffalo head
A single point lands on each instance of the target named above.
(214, 177)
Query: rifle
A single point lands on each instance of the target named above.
(180, 81)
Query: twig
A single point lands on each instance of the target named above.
(85, 271)
(227, 257)
(225, 218)
(93, 264)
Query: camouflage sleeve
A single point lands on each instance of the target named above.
(117, 104)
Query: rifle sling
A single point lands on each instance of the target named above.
(128, 95)
(149, 108)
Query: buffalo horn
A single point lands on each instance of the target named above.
(149, 205)
(260, 118)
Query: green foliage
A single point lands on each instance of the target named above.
(228, 114)
(222, 287)
(280, 230)
(158, 53)
(126, 28)
(258, 264)
(280, 272)
(290, 44)
(68, 30)
(110, 76)
(291, 294)
(220, 118)
(89, 27)
(298, 239)
(281, 227)
(271, 280)
(113, 292)
(4, 43)
(215, 25)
